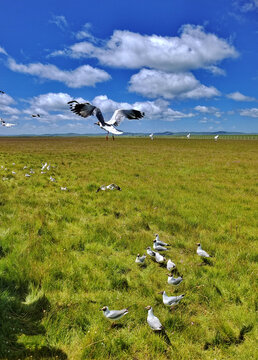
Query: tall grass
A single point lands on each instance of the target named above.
(63, 255)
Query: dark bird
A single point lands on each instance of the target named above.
(87, 109)
(35, 115)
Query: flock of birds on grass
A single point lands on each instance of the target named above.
(170, 301)
(87, 109)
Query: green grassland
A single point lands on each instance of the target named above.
(66, 254)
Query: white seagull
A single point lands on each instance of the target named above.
(170, 265)
(216, 137)
(151, 136)
(113, 315)
(140, 259)
(27, 175)
(159, 242)
(188, 136)
(171, 300)
(158, 247)
(201, 252)
(52, 179)
(152, 320)
(109, 187)
(4, 123)
(159, 258)
(63, 188)
(87, 109)
(44, 166)
(174, 281)
(150, 252)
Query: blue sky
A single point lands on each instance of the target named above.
(189, 65)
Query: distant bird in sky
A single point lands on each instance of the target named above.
(174, 281)
(109, 187)
(87, 109)
(159, 242)
(171, 300)
(35, 115)
(6, 124)
(201, 252)
(151, 136)
(216, 137)
(152, 320)
(113, 315)
(140, 259)
(188, 136)
(2, 92)
(150, 252)
(158, 247)
(170, 265)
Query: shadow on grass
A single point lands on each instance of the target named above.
(18, 318)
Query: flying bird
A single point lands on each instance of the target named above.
(87, 109)
(201, 252)
(152, 320)
(113, 315)
(35, 115)
(2, 92)
(4, 123)
(171, 300)
(109, 187)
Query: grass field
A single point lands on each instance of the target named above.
(66, 254)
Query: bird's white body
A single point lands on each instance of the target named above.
(201, 252)
(170, 265)
(153, 321)
(151, 136)
(114, 314)
(171, 300)
(174, 281)
(159, 258)
(158, 247)
(216, 137)
(188, 136)
(63, 188)
(159, 242)
(140, 259)
(150, 252)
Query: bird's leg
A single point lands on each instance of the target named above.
(113, 137)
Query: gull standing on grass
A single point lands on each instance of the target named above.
(158, 247)
(201, 252)
(216, 137)
(188, 136)
(140, 259)
(159, 242)
(150, 252)
(159, 258)
(87, 109)
(113, 315)
(109, 187)
(174, 281)
(151, 136)
(152, 320)
(170, 265)
(171, 300)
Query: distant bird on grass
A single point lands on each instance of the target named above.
(63, 188)
(159, 258)
(113, 315)
(87, 109)
(201, 252)
(159, 242)
(150, 252)
(171, 300)
(188, 136)
(151, 136)
(170, 265)
(27, 175)
(6, 124)
(109, 187)
(152, 320)
(140, 259)
(216, 137)
(174, 281)
(158, 247)
(52, 179)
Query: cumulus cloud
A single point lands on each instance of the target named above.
(155, 83)
(247, 5)
(6, 99)
(249, 112)
(237, 96)
(2, 51)
(193, 49)
(208, 110)
(84, 75)
(59, 20)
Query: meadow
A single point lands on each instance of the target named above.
(66, 254)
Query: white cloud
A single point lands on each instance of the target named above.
(237, 96)
(6, 99)
(155, 83)
(247, 5)
(59, 20)
(193, 49)
(2, 51)
(249, 112)
(82, 76)
(206, 109)
(9, 110)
